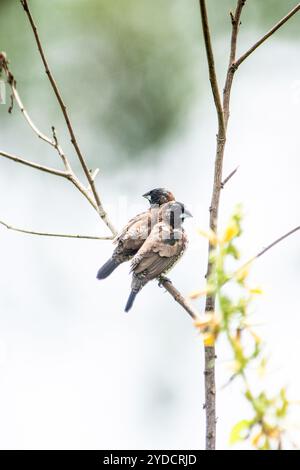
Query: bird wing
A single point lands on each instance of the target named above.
(159, 252)
(135, 221)
(140, 226)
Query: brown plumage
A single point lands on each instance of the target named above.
(162, 249)
(133, 235)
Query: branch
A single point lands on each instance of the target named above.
(69, 176)
(15, 95)
(61, 152)
(167, 284)
(280, 239)
(262, 252)
(211, 68)
(69, 173)
(267, 35)
(63, 107)
(48, 234)
(209, 372)
(235, 22)
(229, 177)
(46, 169)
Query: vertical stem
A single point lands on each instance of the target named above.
(222, 110)
(210, 354)
(209, 372)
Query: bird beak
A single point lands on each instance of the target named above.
(186, 214)
(147, 196)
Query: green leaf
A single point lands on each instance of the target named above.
(240, 431)
(233, 251)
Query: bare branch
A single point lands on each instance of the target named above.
(15, 95)
(70, 176)
(262, 252)
(267, 35)
(235, 22)
(49, 234)
(209, 376)
(167, 284)
(63, 107)
(211, 68)
(60, 151)
(84, 191)
(46, 169)
(54, 143)
(229, 177)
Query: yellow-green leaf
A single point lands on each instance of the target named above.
(239, 431)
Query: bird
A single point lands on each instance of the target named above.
(135, 232)
(163, 248)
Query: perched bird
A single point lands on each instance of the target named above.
(133, 235)
(162, 249)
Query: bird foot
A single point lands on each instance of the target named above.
(163, 279)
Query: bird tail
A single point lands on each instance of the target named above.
(130, 300)
(107, 268)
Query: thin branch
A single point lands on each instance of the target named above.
(235, 22)
(48, 234)
(83, 190)
(262, 252)
(15, 95)
(69, 176)
(211, 68)
(63, 107)
(54, 143)
(267, 35)
(229, 177)
(60, 152)
(37, 166)
(178, 297)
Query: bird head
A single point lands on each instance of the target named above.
(159, 196)
(174, 213)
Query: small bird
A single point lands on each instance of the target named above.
(133, 235)
(162, 249)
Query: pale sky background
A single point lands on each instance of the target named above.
(75, 371)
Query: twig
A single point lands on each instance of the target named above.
(235, 22)
(267, 35)
(15, 95)
(211, 68)
(54, 143)
(48, 234)
(262, 252)
(61, 152)
(229, 177)
(63, 107)
(178, 297)
(37, 166)
(69, 176)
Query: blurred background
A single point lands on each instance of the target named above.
(75, 371)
